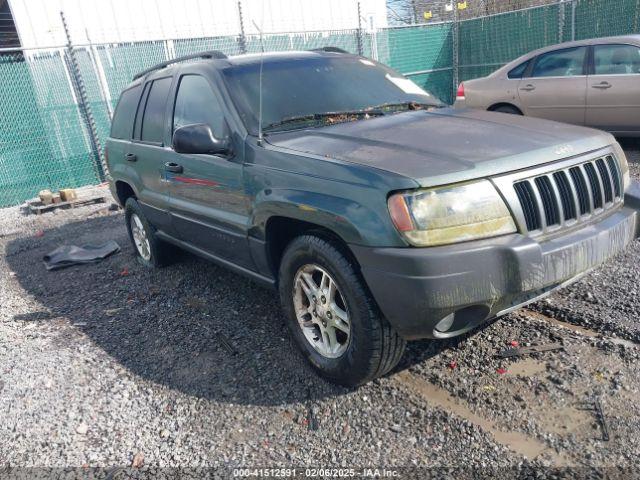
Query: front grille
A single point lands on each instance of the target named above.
(568, 196)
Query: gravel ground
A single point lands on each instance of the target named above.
(113, 364)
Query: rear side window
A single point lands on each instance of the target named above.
(122, 124)
(518, 72)
(568, 62)
(196, 103)
(616, 59)
(153, 117)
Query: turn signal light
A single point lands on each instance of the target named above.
(400, 213)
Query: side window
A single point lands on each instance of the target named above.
(122, 124)
(616, 59)
(568, 62)
(137, 129)
(153, 118)
(196, 103)
(518, 72)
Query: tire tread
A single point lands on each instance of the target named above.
(387, 346)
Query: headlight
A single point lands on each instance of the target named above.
(624, 165)
(451, 214)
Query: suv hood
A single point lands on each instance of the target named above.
(445, 146)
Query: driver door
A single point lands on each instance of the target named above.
(209, 205)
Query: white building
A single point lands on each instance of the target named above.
(39, 24)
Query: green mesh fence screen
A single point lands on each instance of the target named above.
(44, 142)
(423, 53)
(488, 43)
(603, 18)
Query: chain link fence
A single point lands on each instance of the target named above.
(43, 140)
(47, 139)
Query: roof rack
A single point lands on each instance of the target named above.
(210, 54)
(329, 49)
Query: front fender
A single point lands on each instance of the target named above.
(353, 221)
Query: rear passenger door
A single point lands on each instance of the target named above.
(556, 86)
(210, 208)
(613, 94)
(147, 152)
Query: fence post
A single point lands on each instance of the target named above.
(242, 39)
(561, 20)
(456, 45)
(414, 9)
(374, 39)
(169, 49)
(100, 75)
(359, 33)
(573, 19)
(83, 103)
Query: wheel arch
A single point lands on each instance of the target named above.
(497, 105)
(280, 231)
(124, 191)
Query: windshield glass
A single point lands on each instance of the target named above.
(312, 87)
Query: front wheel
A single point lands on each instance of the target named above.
(335, 322)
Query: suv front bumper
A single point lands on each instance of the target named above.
(442, 292)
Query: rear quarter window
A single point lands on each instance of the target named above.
(122, 124)
(518, 72)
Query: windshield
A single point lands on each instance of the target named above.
(300, 92)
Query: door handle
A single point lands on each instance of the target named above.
(602, 85)
(131, 157)
(528, 88)
(173, 167)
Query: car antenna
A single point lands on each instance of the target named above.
(260, 136)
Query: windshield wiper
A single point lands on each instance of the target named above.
(324, 118)
(406, 106)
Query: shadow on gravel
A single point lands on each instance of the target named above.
(192, 326)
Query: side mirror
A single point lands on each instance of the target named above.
(199, 138)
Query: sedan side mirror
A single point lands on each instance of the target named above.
(199, 138)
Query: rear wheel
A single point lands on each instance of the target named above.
(507, 109)
(332, 316)
(149, 249)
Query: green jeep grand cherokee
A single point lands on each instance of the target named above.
(379, 215)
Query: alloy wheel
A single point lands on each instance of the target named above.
(140, 238)
(321, 311)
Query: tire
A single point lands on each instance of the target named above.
(507, 109)
(157, 251)
(372, 347)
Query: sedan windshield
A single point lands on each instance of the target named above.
(316, 91)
